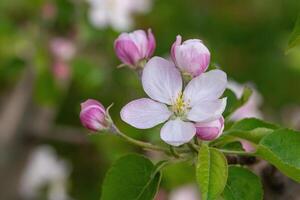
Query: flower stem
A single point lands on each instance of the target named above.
(193, 147)
(139, 143)
(174, 152)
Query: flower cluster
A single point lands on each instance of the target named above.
(188, 108)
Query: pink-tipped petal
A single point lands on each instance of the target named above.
(161, 80)
(208, 86)
(210, 130)
(139, 37)
(144, 113)
(173, 49)
(177, 132)
(92, 102)
(207, 110)
(127, 51)
(151, 44)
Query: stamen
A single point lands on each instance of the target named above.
(180, 107)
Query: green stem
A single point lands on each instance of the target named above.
(193, 147)
(139, 143)
(174, 152)
(241, 153)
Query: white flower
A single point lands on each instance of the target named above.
(199, 102)
(44, 168)
(117, 13)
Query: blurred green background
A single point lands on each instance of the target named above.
(248, 39)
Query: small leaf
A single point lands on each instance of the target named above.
(295, 36)
(231, 102)
(211, 172)
(282, 149)
(242, 184)
(132, 177)
(254, 135)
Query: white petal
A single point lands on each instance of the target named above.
(161, 80)
(207, 110)
(207, 86)
(144, 113)
(177, 132)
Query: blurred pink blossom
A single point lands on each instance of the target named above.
(250, 109)
(62, 48)
(48, 11)
(187, 192)
(61, 70)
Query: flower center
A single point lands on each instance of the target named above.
(180, 107)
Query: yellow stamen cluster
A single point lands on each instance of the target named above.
(179, 107)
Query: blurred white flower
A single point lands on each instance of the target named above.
(187, 192)
(116, 13)
(44, 168)
(251, 108)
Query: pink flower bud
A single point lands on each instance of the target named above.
(210, 130)
(131, 48)
(92, 115)
(191, 57)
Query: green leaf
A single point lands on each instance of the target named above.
(211, 172)
(132, 177)
(295, 36)
(232, 100)
(282, 149)
(254, 135)
(242, 184)
(252, 123)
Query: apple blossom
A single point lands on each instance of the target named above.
(210, 130)
(199, 102)
(133, 48)
(93, 115)
(191, 57)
